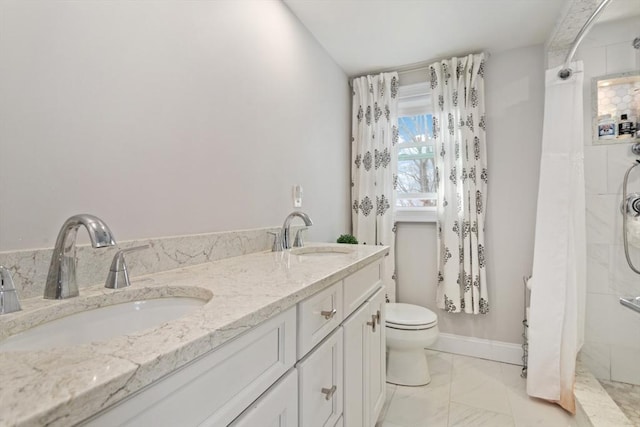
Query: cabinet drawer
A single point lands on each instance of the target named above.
(360, 286)
(318, 316)
(217, 387)
(320, 384)
(278, 407)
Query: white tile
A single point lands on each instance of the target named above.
(597, 317)
(596, 356)
(414, 406)
(622, 280)
(477, 383)
(619, 159)
(600, 217)
(463, 415)
(620, 58)
(437, 390)
(595, 62)
(391, 389)
(598, 269)
(624, 364)
(624, 326)
(595, 169)
(512, 378)
(609, 32)
(439, 362)
(528, 411)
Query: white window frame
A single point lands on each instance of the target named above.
(413, 100)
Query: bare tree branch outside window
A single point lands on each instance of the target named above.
(416, 168)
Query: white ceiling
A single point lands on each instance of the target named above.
(370, 35)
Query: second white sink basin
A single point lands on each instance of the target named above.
(102, 323)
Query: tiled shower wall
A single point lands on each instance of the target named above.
(612, 332)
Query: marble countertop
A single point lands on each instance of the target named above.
(63, 386)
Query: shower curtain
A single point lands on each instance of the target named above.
(374, 175)
(556, 320)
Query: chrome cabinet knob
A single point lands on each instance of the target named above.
(328, 314)
(329, 392)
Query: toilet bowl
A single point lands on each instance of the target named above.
(409, 329)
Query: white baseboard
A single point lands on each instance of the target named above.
(478, 347)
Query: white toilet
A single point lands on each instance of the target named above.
(409, 328)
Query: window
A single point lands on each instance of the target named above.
(416, 191)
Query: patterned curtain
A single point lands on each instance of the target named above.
(461, 169)
(373, 169)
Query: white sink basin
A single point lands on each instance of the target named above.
(102, 323)
(322, 250)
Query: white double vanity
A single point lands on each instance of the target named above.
(285, 339)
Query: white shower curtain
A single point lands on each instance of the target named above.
(556, 320)
(374, 166)
(461, 170)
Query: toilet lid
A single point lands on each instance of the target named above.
(409, 315)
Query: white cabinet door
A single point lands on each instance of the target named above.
(364, 363)
(318, 316)
(356, 344)
(377, 357)
(320, 383)
(278, 407)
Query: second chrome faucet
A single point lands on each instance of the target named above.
(285, 234)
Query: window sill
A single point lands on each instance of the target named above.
(416, 215)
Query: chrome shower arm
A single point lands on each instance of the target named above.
(566, 71)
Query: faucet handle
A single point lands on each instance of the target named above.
(8, 296)
(277, 241)
(118, 275)
(298, 242)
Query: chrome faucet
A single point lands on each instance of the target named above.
(61, 280)
(286, 233)
(8, 296)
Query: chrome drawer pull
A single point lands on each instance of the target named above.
(372, 323)
(328, 392)
(328, 314)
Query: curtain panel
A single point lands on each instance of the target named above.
(374, 165)
(461, 173)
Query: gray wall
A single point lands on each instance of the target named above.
(514, 104)
(167, 118)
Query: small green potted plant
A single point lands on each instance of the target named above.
(347, 238)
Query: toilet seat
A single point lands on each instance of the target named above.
(409, 317)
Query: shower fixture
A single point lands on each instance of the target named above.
(636, 43)
(630, 208)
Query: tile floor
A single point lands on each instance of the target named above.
(465, 391)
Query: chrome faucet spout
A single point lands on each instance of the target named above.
(286, 233)
(61, 279)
